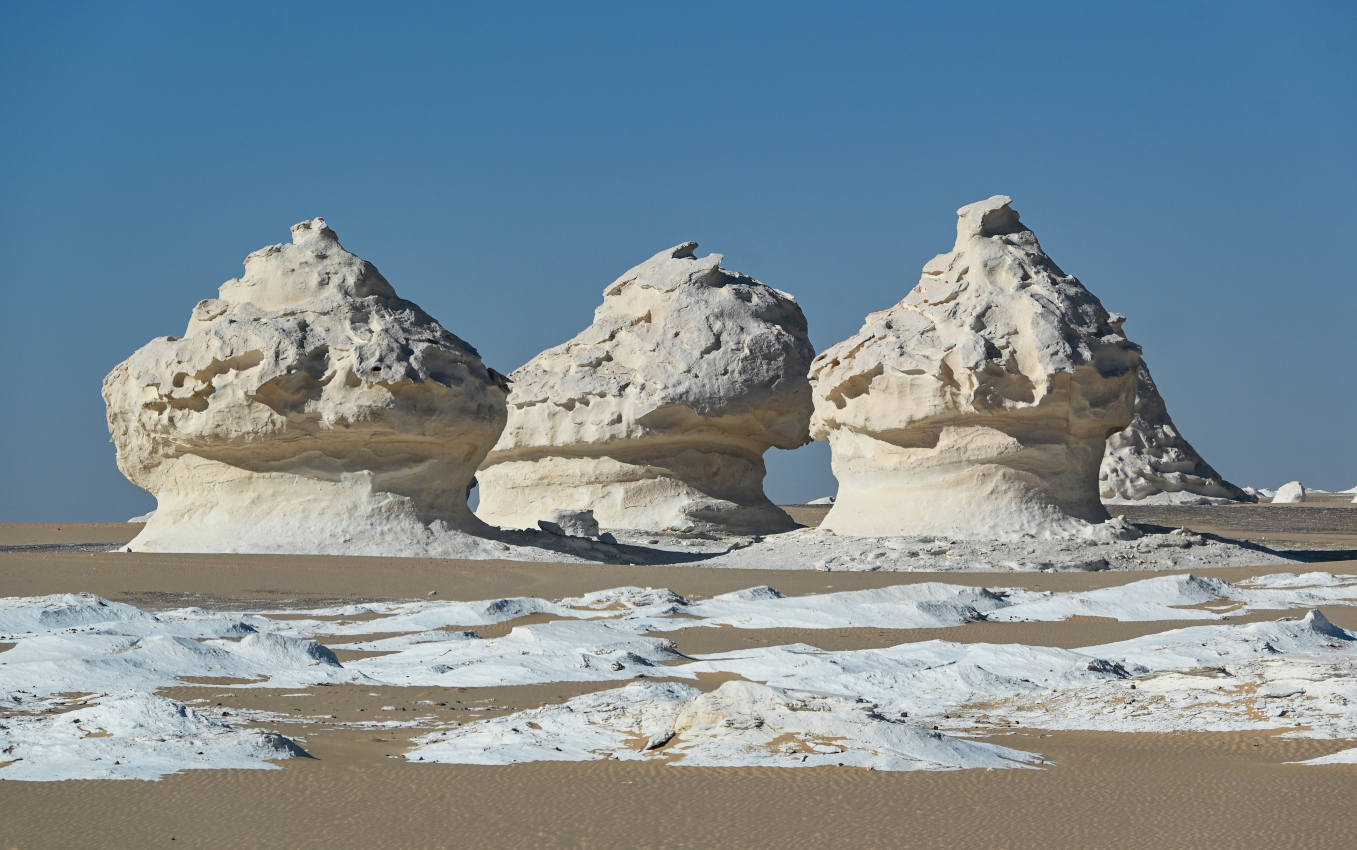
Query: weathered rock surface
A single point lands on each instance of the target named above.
(1290, 493)
(979, 406)
(570, 523)
(1150, 456)
(657, 415)
(306, 409)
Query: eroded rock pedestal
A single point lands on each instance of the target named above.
(307, 409)
(657, 415)
(1150, 458)
(979, 405)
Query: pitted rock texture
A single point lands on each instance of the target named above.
(1150, 456)
(306, 409)
(657, 415)
(979, 406)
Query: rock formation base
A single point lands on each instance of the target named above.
(975, 482)
(688, 490)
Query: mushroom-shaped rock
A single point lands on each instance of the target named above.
(306, 409)
(979, 405)
(657, 415)
(1150, 456)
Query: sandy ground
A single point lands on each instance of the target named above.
(162, 580)
(1107, 789)
(1324, 521)
(34, 533)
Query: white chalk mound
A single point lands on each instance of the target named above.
(657, 415)
(1150, 456)
(1293, 492)
(738, 724)
(308, 409)
(77, 686)
(980, 405)
(132, 736)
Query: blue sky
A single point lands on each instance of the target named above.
(1192, 163)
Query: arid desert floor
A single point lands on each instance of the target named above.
(1100, 772)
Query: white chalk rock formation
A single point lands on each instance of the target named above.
(1150, 456)
(657, 415)
(570, 523)
(979, 406)
(307, 409)
(1293, 492)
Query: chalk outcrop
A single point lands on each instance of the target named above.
(979, 406)
(1150, 458)
(570, 523)
(658, 414)
(1290, 493)
(306, 409)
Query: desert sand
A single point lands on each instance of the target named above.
(1108, 789)
(1103, 788)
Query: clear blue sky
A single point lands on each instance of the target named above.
(1192, 163)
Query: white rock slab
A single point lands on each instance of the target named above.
(1293, 492)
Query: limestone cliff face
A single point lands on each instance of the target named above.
(657, 415)
(305, 409)
(979, 405)
(1150, 456)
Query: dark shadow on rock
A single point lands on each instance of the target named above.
(602, 552)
